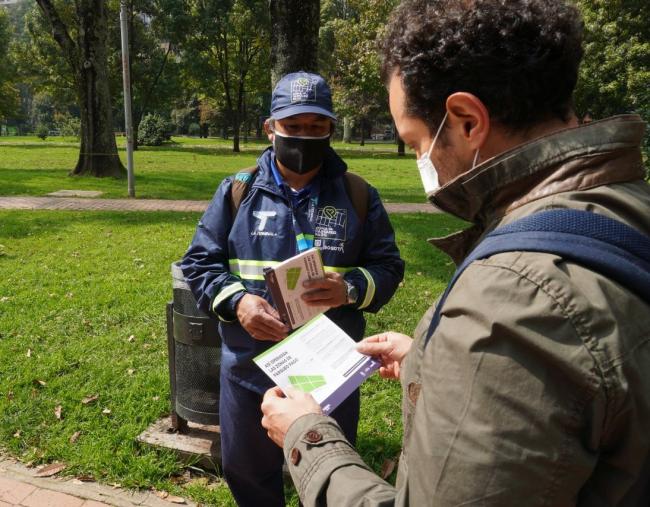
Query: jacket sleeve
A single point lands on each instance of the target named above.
(330, 472)
(381, 268)
(205, 264)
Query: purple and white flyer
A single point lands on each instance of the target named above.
(320, 359)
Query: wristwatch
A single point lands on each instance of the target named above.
(352, 293)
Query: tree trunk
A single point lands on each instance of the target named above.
(87, 60)
(363, 132)
(294, 36)
(98, 155)
(347, 130)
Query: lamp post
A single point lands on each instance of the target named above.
(126, 80)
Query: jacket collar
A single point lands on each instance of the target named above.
(599, 153)
(333, 167)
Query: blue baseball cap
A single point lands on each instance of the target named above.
(301, 92)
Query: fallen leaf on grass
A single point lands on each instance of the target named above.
(57, 412)
(106, 411)
(10, 395)
(75, 436)
(40, 382)
(130, 371)
(29, 353)
(89, 399)
(131, 338)
(387, 468)
(50, 470)
(17, 434)
(4, 299)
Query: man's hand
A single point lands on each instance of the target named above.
(329, 291)
(281, 411)
(260, 319)
(390, 348)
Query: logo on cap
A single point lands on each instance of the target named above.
(303, 90)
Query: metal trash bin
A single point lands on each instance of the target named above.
(194, 347)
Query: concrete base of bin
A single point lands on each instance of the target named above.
(199, 445)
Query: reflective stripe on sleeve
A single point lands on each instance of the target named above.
(370, 290)
(225, 294)
(254, 270)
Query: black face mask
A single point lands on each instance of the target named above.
(300, 154)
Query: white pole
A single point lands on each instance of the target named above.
(126, 80)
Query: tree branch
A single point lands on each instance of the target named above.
(60, 33)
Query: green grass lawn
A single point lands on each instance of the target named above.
(188, 168)
(76, 286)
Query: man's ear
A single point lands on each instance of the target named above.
(469, 119)
(268, 130)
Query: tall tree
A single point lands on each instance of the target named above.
(83, 42)
(156, 30)
(9, 98)
(615, 73)
(350, 32)
(294, 36)
(228, 42)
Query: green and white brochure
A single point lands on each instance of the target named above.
(320, 359)
(284, 282)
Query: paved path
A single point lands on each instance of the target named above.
(20, 487)
(78, 203)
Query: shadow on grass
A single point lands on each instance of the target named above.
(36, 147)
(351, 153)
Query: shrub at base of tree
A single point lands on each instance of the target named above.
(153, 130)
(42, 132)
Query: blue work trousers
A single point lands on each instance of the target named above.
(252, 463)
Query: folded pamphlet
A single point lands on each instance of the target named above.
(321, 359)
(284, 282)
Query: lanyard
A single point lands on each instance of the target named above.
(304, 239)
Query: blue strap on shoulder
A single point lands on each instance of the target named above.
(594, 241)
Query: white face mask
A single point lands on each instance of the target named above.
(428, 171)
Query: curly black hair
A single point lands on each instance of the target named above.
(519, 57)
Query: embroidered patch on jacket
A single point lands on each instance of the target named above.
(263, 217)
(330, 232)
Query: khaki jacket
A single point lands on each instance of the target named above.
(535, 387)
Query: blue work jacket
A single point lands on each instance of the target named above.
(228, 254)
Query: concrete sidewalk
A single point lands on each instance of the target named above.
(20, 487)
(85, 204)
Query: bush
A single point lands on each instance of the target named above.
(69, 126)
(153, 130)
(194, 129)
(42, 132)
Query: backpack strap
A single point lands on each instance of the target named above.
(357, 189)
(240, 185)
(355, 186)
(593, 241)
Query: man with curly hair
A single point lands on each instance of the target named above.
(528, 383)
